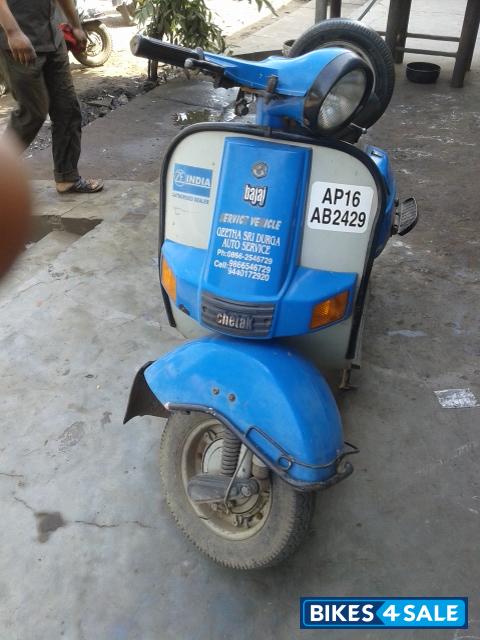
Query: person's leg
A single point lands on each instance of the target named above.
(65, 115)
(27, 84)
(66, 119)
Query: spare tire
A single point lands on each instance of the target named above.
(357, 37)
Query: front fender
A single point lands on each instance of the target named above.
(275, 401)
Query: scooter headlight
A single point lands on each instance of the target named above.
(339, 91)
(342, 101)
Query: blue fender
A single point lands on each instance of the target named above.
(275, 401)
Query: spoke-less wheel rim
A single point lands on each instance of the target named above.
(242, 518)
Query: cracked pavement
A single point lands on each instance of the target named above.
(47, 522)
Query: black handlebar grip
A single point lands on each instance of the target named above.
(153, 49)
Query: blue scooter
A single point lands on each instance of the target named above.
(268, 233)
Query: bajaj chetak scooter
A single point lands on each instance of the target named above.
(268, 233)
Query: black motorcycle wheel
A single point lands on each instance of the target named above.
(255, 532)
(359, 38)
(99, 47)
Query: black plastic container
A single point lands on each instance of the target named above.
(423, 72)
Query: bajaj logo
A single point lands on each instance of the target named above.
(193, 180)
(260, 169)
(256, 196)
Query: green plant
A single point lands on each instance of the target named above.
(186, 22)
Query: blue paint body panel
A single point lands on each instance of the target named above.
(294, 307)
(256, 203)
(255, 239)
(308, 288)
(282, 396)
(295, 75)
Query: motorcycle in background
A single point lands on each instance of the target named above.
(99, 45)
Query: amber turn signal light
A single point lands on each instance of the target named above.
(169, 282)
(329, 310)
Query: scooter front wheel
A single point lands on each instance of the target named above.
(247, 532)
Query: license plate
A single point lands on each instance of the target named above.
(339, 207)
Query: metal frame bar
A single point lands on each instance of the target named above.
(428, 52)
(427, 36)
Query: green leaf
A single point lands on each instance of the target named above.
(187, 22)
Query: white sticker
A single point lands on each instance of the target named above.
(456, 398)
(339, 207)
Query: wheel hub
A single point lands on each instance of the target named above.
(239, 518)
(95, 45)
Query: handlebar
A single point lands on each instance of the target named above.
(153, 49)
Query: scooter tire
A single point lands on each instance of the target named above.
(369, 45)
(101, 31)
(287, 523)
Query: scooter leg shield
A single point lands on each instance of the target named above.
(276, 402)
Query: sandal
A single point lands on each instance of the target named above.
(83, 185)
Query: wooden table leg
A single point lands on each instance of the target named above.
(467, 43)
(397, 27)
(320, 10)
(335, 8)
(469, 61)
(474, 38)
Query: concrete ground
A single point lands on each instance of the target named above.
(88, 550)
(296, 17)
